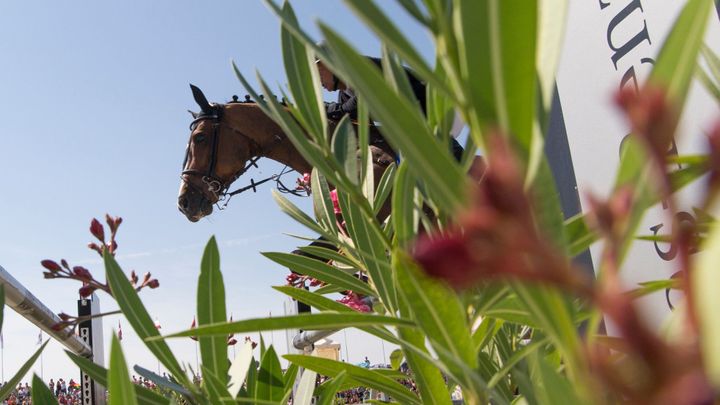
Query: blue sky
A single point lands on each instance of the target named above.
(93, 120)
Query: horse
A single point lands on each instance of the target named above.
(227, 139)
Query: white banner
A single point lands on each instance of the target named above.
(610, 44)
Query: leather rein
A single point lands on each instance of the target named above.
(214, 184)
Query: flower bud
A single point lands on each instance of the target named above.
(146, 278)
(50, 265)
(97, 230)
(95, 247)
(64, 316)
(64, 263)
(48, 274)
(86, 290)
(133, 278)
(81, 273)
(113, 223)
(59, 326)
(154, 283)
(232, 342)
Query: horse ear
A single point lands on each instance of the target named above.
(194, 114)
(200, 99)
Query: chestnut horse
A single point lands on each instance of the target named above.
(226, 139)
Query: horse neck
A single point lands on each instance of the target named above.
(249, 120)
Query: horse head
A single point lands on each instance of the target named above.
(216, 155)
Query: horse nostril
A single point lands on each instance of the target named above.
(183, 203)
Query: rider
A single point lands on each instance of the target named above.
(347, 99)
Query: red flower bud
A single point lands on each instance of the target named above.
(50, 265)
(95, 247)
(113, 223)
(59, 326)
(86, 290)
(97, 230)
(48, 274)
(81, 273)
(232, 342)
(146, 278)
(154, 283)
(64, 316)
(64, 263)
(133, 278)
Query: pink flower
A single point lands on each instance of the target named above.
(336, 204)
(356, 302)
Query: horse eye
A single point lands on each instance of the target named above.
(199, 138)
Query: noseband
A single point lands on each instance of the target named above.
(214, 184)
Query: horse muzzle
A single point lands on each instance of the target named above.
(193, 204)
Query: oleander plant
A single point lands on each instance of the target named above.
(472, 274)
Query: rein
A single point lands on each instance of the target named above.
(214, 183)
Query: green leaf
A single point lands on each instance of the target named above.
(306, 388)
(120, 388)
(162, 381)
(319, 270)
(550, 385)
(330, 254)
(649, 287)
(270, 384)
(370, 378)
(430, 383)
(289, 377)
(322, 204)
(705, 278)
(99, 375)
(239, 368)
(384, 187)
(676, 62)
(10, 385)
(345, 147)
(138, 317)
(322, 321)
(496, 47)
(303, 78)
(330, 389)
(216, 389)
(436, 308)
(396, 358)
(325, 304)
(2, 304)
(370, 241)
(388, 32)
(41, 394)
(211, 310)
(298, 215)
(404, 215)
(403, 126)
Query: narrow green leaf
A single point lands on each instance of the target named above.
(41, 394)
(396, 358)
(330, 389)
(306, 388)
(436, 308)
(10, 385)
(138, 317)
(270, 384)
(384, 188)
(404, 215)
(298, 215)
(322, 321)
(320, 271)
(211, 309)
(496, 41)
(322, 204)
(551, 386)
(239, 368)
(2, 305)
(120, 388)
(99, 375)
(289, 377)
(162, 381)
(325, 304)
(330, 254)
(370, 241)
(216, 389)
(403, 126)
(383, 27)
(303, 78)
(428, 379)
(252, 377)
(345, 147)
(704, 278)
(676, 62)
(370, 378)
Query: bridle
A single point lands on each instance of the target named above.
(214, 184)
